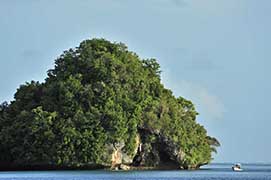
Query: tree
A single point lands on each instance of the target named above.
(98, 93)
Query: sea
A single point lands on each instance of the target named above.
(212, 172)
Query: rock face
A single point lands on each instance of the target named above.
(157, 151)
(152, 150)
(116, 157)
(124, 167)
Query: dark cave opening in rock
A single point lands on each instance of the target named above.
(166, 160)
(154, 153)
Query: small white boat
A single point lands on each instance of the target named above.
(237, 167)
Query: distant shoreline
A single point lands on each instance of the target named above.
(243, 163)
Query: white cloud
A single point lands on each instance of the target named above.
(212, 105)
(207, 104)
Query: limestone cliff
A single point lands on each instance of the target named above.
(153, 150)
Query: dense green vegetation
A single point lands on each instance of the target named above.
(98, 93)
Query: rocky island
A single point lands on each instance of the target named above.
(101, 106)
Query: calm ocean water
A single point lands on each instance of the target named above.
(212, 172)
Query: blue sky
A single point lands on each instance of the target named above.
(215, 53)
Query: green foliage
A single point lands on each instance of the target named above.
(98, 93)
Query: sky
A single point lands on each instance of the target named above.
(215, 53)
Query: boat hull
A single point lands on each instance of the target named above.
(236, 169)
